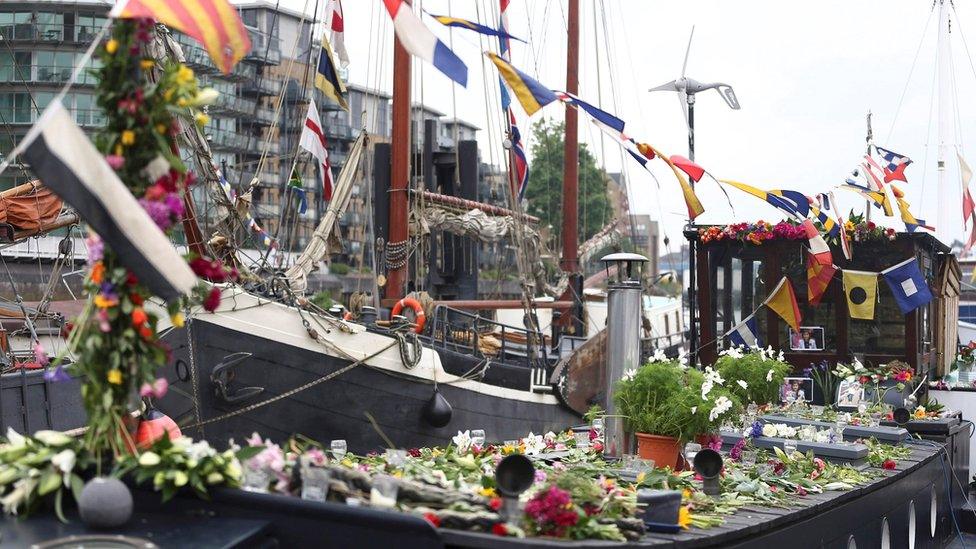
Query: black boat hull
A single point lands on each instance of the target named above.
(339, 408)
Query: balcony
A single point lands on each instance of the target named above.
(267, 178)
(261, 52)
(264, 116)
(199, 60)
(339, 131)
(225, 140)
(42, 74)
(48, 32)
(261, 86)
(238, 107)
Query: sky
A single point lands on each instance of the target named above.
(806, 75)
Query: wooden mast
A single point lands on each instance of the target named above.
(399, 164)
(570, 229)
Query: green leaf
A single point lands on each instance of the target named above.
(168, 492)
(57, 507)
(248, 452)
(77, 485)
(50, 481)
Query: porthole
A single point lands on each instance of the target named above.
(933, 512)
(911, 524)
(851, 544)
(885, 534)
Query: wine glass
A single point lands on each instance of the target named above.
(789, 447)
(598, 425)
(338, 448)
(691, 450)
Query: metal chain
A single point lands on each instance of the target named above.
(193, 373)
(296, 390)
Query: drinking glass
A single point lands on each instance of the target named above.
(598, 426)
(315, 482)
(582, 439)
(645, 465)
(256, 477)
(789, 447)
(338, 448)
(748, 458)
(384, 492)
(396, 457)
(691, 450)
(478, 438)
(876, 419)
(513, 443)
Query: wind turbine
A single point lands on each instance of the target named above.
(687, 88)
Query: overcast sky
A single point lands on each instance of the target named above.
(806, 74)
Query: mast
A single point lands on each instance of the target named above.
(870, 141)
(570, 228)
(399, 165)
(942, 57)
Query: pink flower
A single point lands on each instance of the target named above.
(316, 456)
(40, 355)
(115, 161)
(155, 389)
(103, 323)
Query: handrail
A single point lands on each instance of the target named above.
(443, 329)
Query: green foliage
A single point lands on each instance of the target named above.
(544, 193)
(40, 468)
(175, 464)
(323, 300)
(339, 269)
(753, 367)
(662, 398)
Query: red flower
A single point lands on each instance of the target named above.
(889, 464)
(433, 519)
(139, 317)
(495, 504)
(213, 300)
(499, 529)
(597, 446)
(136, 299)
(414, 452)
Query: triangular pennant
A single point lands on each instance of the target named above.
(782, 301)
(818, 279)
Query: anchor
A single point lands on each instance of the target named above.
(223, 374)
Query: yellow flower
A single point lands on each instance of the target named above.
(184, 75)
(161, 129)
(684, 517)
(202, 119)
(112, 46)
(168, 94)
(115, 376)
(128, 137)
(848, 226)
(686, 494)
(182, 102)
(487, 492)
(920, 412)
(398, 474)
(147, 64)
(118, 150)
(346, 462)
(640, 477)
(177, 320)
(103, 302)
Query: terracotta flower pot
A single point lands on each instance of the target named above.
(663, 450)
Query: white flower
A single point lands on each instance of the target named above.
(52, 438)
(733, 352)
(785, 431)
(200, 450)
(629, 374)
(769, 375)
(781, 357)
(658, 356)
(550, 437)
(742, 383)
(149, 459)
(463, 441)
(822, 436)
(683, 358)
(769, 430)
(706, 388)
(694, 410)
(14, 438)
(64, 461)
(722, 405)
(534, 444)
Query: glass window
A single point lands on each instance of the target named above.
(50, 26)
(87, 27)
(15, 67)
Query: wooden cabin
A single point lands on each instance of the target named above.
(735, 277)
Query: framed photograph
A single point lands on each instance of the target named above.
(796, 389)
(808, 338)
(850, 393)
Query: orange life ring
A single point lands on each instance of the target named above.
(417, 309)
(347, 316)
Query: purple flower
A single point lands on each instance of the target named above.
(158, 212)
(175, 205)
(96, 248)
(57, 374)
(540, 475)
(736, 452)
(756, 430)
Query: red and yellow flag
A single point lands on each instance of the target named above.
(782, 300)
(818, 278)
(694, 205)
(214, 23)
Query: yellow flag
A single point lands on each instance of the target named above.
(783, 301)
(861, 289)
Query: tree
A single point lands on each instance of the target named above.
(544, 193)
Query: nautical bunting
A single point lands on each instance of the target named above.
(601, 116)
(213, 23)
(249, 221)
(861, 289)
(694, 171)
(530, 93)
(782, 300)
(818, 279)
(337, 25)
(911, 222)
(694, 205)
(845, 241)
(66, 161)
(745, 333)
(819, 250)
(521, 162)
(327, 77)
(313, 141)
(894, 168)
(908, 285)
(504, 50)
(449, 21)
(417, 39)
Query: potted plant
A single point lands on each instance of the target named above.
(754, 375)
(665, 404)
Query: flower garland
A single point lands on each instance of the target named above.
(753, 233)
(115, 340)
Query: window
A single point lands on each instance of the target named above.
(15, 66)
(87, 27)
(54, 66)
(15, 108)
(16, 25)
(50, 26)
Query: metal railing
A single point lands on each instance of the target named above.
(261, 86)
(462, 332)
(48, 32)
(45, 73)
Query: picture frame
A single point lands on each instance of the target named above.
(806, 339)
(850, 393)
(800, 387)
